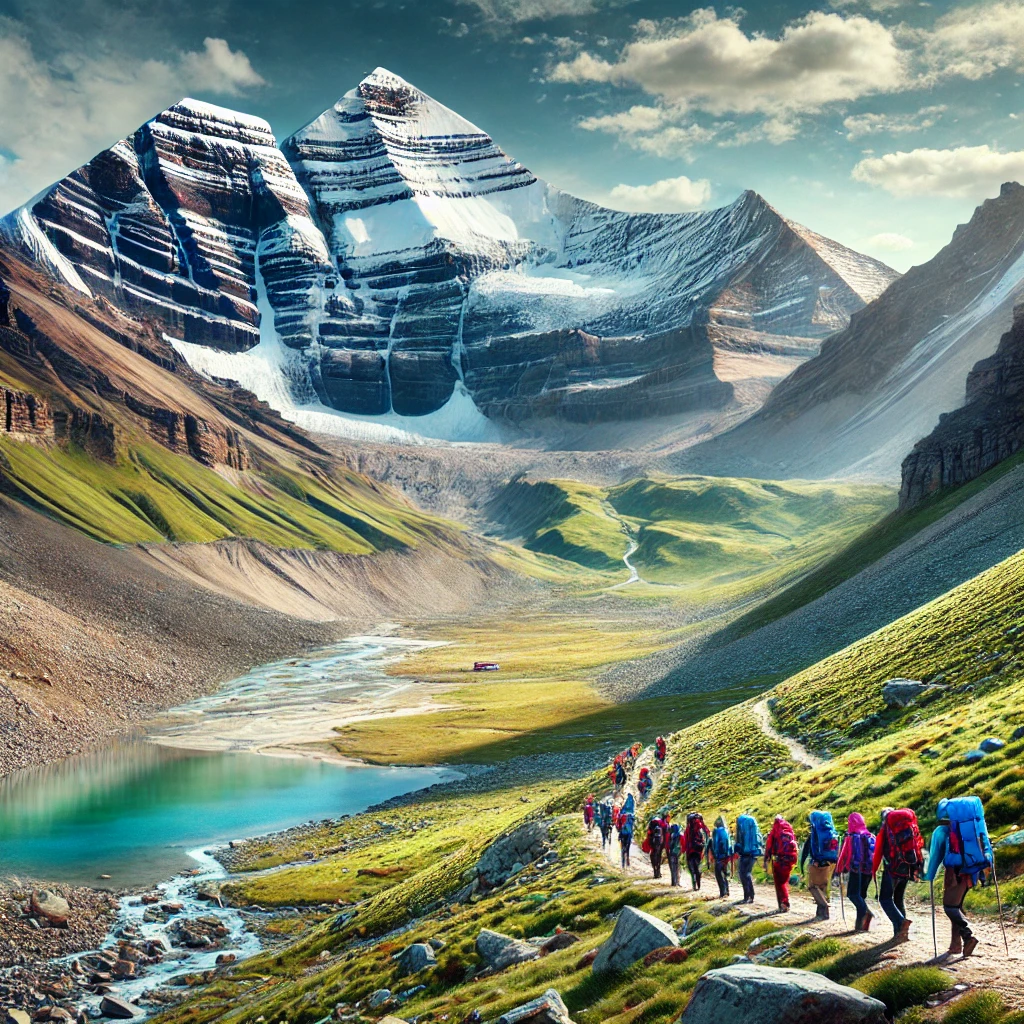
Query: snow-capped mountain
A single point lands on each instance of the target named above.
(389, 260)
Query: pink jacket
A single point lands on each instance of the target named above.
(855, 825)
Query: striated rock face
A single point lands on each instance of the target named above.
(390, 256)
(24, 413)
(988, 428)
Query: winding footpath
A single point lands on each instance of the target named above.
(797, 751)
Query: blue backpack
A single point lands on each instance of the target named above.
(749, 841)
(625, 825)
(720, 845)
(969, 850)
(824, 838)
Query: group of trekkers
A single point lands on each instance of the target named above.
(960, 845)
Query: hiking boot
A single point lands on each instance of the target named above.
(866, 923)
(903, 935)
(956, 945)
(970, 946)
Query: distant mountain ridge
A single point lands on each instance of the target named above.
(880, 384)
(390, 260)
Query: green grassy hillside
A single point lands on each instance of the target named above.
(707, 537)
(150, 494)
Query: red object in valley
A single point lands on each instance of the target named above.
(485, 666)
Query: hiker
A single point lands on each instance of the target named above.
(695, 843)
(645, 783)
(674, 851)
(625, 826)
(654, 844)
(660, 749)
(604, 822)
(780, 854)
(588, 812)
(616, 811)
(620, 774)
(749, 846)
(855, 859)
(961, 844)
(722, 852)
(822, 847)
(900, 847)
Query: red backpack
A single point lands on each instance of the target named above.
(784, 845)
(904, 847)
(696, 833)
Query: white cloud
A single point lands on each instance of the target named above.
(859, 125)
(974, 42)
(513, 11)
(650, 130)
(219, 69)
(968, 172)
(890, 241)
(709, 63)
(55, 115)
(670, 195)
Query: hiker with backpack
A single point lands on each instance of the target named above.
(855, 858)
(900, 848)
(625, 827)
(780, 854)
(674, 850)
(748, 847)
(604, 822)
(961, 844)
(822, 847)
(588, 812)
(645, 783)
(654, 843)
(620, 774)
(722, 852)
(660, 749)
(696, 843)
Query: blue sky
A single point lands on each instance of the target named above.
(881, 123)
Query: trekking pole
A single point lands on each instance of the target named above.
(842, 898)
(935, 941)
(999, 904)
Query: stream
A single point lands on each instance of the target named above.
(145, 814)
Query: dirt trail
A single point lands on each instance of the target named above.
(988, 968)
(763, 716)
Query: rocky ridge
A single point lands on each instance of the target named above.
(987, 429)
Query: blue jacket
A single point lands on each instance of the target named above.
(937, 852)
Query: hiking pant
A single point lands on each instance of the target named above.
(722, 877)
(857, 890)
(693, 863)
(953, 896)
(780, 876)
(656, 852)
(890, 896)
(606, 834)
(745, 867)
(625, 842)
(818, 878)
(673, 867)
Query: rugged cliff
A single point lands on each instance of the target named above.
(988, 428)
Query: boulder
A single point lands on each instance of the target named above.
(1013, 839)
(635, 935)
(545, 1009)
(50, 906)
(974, 756)
(13, 1016)
(111, 1006)
(898, 693)
(378, 998)
(415, 958)
(561, 940)
(500, 951)
(1018, 733)
(510, 852)
(992, 744)
(777, 995)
